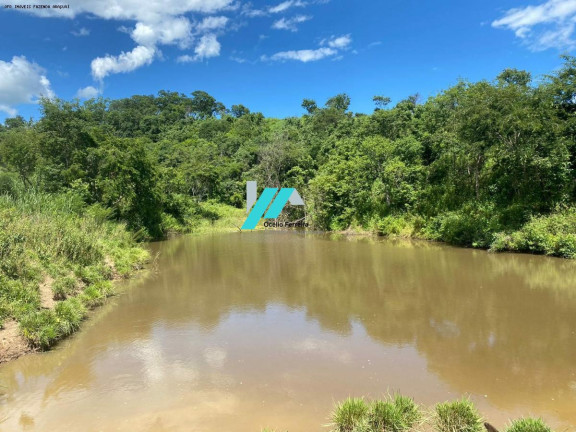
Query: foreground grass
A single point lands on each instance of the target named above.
(458, 416)
(57, 260)
(401, 414)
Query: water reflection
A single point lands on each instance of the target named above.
(240, 331)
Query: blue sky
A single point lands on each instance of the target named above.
(270, 55)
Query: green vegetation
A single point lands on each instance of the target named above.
(57, 258)
(458, 416)
(553, 234)
(349, 415)
(396, 414)
(489, 164)
(400, 413)
(528, 425)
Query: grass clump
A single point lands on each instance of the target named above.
(528, 425)
(350, 415)
(96, 294)
(458, 416)
(398, 414)
(64, 287)
(408, 409)
(385, 416)
(42, 328)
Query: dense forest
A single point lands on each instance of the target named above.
(487, 164)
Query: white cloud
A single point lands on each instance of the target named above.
(548, 25)
(167, 32)
(281, 7)
(286, 5)
(240, 60)
(290, 23)
(87, 92)
(185, 59)
(252, 13)
(207, 47)
(125, 62)
(21, 82)
(305, 56)
(156, 23)
(212, 23)
(133, 10)
(328, 48)
(82, 32)
(341, 42)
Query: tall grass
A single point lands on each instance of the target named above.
(457, 416)
(528, 425)
(350, 415)
(57, 238)
(395, 414)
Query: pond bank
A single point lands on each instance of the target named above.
(58, 260)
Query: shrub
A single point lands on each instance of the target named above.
(473, 225)
(554, 234)
(394, 225)
(458, 416)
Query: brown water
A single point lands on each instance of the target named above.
(236, 332)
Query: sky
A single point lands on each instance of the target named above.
(269, 55)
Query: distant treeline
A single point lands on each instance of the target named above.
(486, 164)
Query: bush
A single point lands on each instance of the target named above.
(397, 225)
(553, 234)
(8, 183)
(458, 416)
(473, 225)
